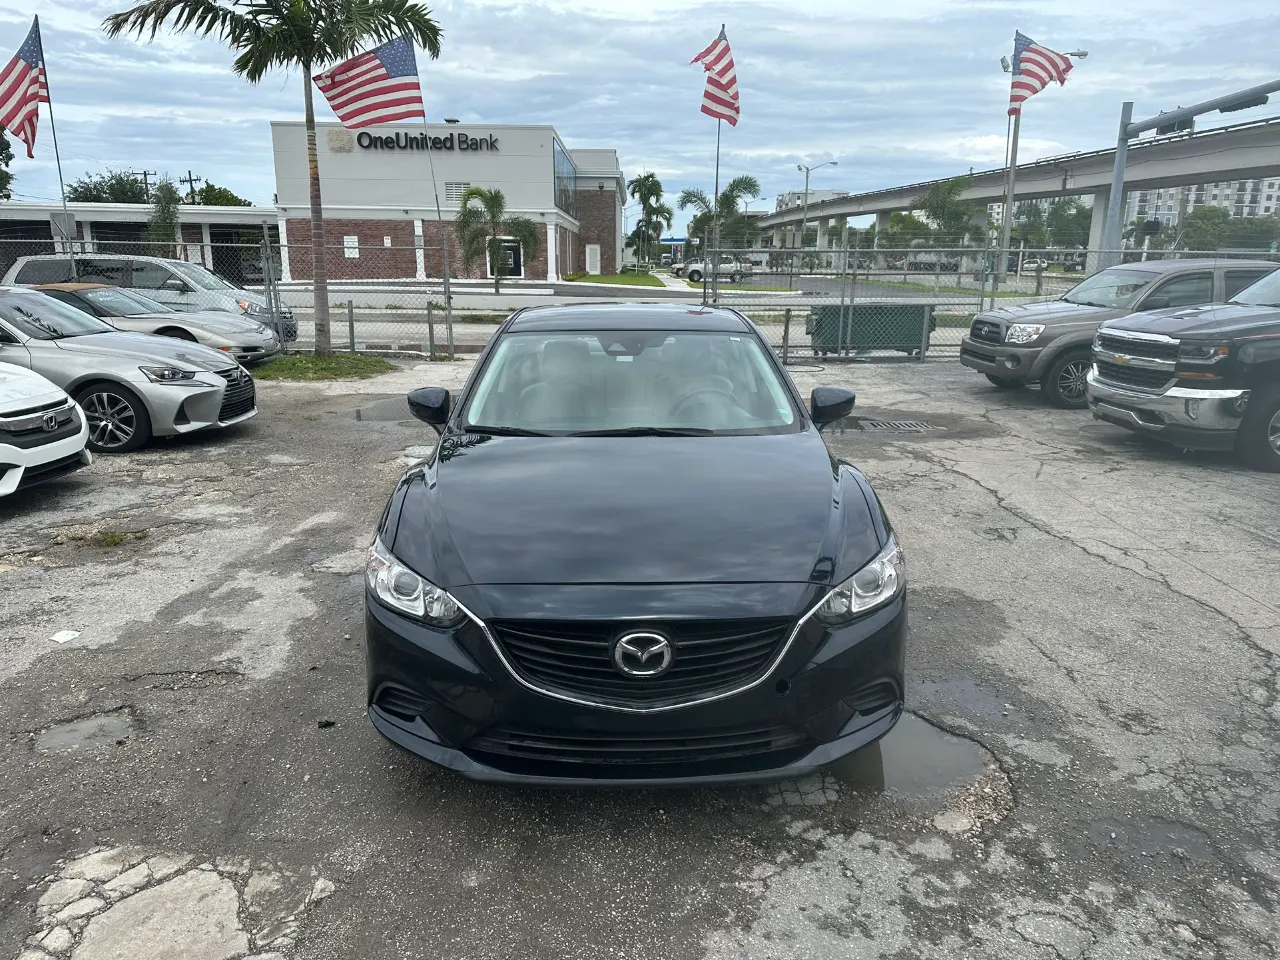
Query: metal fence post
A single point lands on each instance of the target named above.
(351, 325)
(431, 332)
(786, 334)
(926, 314)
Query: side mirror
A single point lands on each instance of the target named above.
(430, 405)
(1154, 303)
(178, 286)
(829, 404)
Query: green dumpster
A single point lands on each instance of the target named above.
(870, 326)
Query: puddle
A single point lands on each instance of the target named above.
(391, 410)
(916, 760)
(959, 695)
(87, 733)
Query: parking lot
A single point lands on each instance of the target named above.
(1088, 769)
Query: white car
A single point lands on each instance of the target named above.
(42, 430)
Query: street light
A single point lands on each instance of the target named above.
(804, 216)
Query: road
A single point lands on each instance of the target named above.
(1088, 769)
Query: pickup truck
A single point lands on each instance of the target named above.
(734, 270)
(1201, 378)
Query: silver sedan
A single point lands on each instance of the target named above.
(248, 341)
(132, 386)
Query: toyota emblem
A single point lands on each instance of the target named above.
(50, 422)
(642, 655)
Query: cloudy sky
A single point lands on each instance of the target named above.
(897, 92)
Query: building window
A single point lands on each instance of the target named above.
(453, 191)
(566, 179)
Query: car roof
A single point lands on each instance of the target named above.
(1164, 266)
(100, 256)
(70, 287)
(628, 316)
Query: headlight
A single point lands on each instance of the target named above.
(1203, 352)
(1023, 332)
(252, 309)
(401, 589)
(166, 374)
(873, 586)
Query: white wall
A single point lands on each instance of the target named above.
(358, 182)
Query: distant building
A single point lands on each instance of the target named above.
(1240, 198)
(788, 201)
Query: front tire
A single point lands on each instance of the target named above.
(695, 276)
(118, 419)
(1064, 382)
(1004, 384)
(1258, 440)
(735, 278)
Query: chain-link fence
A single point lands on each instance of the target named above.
(836, 303)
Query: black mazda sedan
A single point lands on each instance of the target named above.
(631, 560)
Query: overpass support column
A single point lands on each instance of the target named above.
(777, 236)
(1097, 229)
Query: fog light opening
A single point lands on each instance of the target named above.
(782, 687)
(1193, 409)
(1013, 362)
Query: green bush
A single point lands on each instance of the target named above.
(574, 277)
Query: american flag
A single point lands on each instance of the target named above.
(1033, 67)
(23, 89)
(720, 96)
(380, 86)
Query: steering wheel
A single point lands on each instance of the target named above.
(684, 398)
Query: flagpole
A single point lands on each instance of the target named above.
(444, 238)
(707, 264)
(1010, 182)
(57, 157)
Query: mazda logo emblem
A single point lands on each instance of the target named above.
(642, 655)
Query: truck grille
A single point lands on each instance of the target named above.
(1140, 377)
(1147, 349)
(239, 397)
(576, 657)
(605, 748)
(987, 331)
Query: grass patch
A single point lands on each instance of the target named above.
(954, 320)
(338, 366)
(621, 279)
(949, 291)
(107, 538)
(494, 318)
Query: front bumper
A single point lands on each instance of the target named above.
(26, 466)
(256, 353)
(446, 696)
(200, 404)
(1188, 417)
(1000, 360)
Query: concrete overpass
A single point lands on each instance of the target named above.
(1245, 151)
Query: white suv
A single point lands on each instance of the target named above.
(42, 430)
(177, 284)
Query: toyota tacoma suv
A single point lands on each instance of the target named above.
(1049, 342)
(1204, 378)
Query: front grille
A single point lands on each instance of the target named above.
(238, 399)
(1133, 376)
(1147, 349)
(988, 331)
(978, 354)
(38, 408)
(575, 657)
(604, 749)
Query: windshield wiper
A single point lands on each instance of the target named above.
(504, 431)
(646, 432)
(1088, 303)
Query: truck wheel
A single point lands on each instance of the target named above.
(1004, 384)
(695, 276)
(1064, 382)
(1258, 440)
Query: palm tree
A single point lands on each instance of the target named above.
(951, 217)
(735, 228)
(481, 228)
(308, 34)
(647, 188)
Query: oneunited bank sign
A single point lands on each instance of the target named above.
(422, 141)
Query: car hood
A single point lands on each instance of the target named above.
(1204, 322)
(20, 387)
(146, 347)
(635, 510)
(1053, 311)
(214, 321)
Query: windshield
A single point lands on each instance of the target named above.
(45, 318)
(123, 303)
(1114, 287)
(1264, 293)
(200, 276)
(630, 382)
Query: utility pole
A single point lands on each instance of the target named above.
(146, 176)
(191, 182)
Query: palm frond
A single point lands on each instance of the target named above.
(693, 197)
(201, 17)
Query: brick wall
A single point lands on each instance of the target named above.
(569, 256)
(192, 233)
(598, 223)
(376, 260)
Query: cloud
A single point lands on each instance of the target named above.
(898, 93)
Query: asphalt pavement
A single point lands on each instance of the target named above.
(1088, 769)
